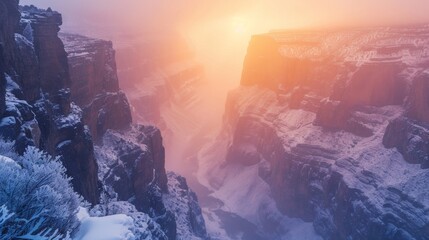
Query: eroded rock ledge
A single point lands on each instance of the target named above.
(336, 122)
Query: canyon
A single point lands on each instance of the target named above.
(331, 126)
(326, 137)
(60, 93)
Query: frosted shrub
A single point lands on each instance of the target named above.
(36, 198)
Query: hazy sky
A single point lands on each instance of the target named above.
(219, 30)
(147, 14)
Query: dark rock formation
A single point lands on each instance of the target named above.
(92, 67)
(95, 85)
(2, 83)
(44, 27)
(9, 20)
(141, 157)
(132, 166)
(183, 202)
(27, 68)
(63, 132)
(131, 157)
(107, 111)
(410, 138)
(37, 110)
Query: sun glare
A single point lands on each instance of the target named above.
(239, 25)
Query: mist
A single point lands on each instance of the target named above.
(178, 60)
(220, 30)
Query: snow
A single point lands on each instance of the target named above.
(28, 32)
(233, 185)
(7, 121)
(243, 185)
(113, 227)
(71, 119)
(364, 163)
(7, 160)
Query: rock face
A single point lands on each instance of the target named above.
(9, 20)
(2, 84)
(61, 103)
(10, 17)
(38, 110)
(132, 169)
(41, 28)
(142, 155)
(95, 85)
(182, 201)
(92, 67)
(336, 126)
(131, 157)
(62, 130)
(410, 138)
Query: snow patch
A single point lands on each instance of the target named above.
(113, 227)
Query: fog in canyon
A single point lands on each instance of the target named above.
(216, 34)
(177, 62)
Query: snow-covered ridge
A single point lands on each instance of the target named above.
(334, 123)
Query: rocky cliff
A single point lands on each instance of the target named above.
(131, 157)
(59, 97)
(38, 107)
(95, 84)
(334, 122)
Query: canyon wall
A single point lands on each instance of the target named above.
(334, 122)
(60, 93)
(38, 110)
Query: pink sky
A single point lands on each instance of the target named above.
(219, 30)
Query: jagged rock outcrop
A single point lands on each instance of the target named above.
(63, 132)
(183, 202)
(411, 138)
(61, 104)
(92, 67)
(131, 157)
(140, 155)
(132, 169)
(9, 20)
(347, 150)
(38, 110)
(41, 28)
(95, 85)
(9, 16)
(2, 83)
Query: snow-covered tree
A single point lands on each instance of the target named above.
(36, 198)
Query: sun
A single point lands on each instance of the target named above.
(239, 25)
